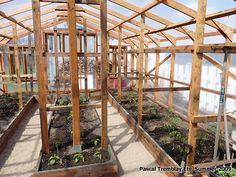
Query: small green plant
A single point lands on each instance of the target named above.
(54, 159)
(176, 135)
(180, 149)
(96, 141)
(202, 139)
(172, 124)
(131, 98)
(57, 144)
(64, 101)
(69, 118)
(211, 128)
(226, 173)
(98, 154)
(78, 157)
(83, 99)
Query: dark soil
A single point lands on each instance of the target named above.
(9, 106)
(60, 130)
(167, 128)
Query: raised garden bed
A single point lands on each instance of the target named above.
(10, 115)
(63, 160)
(162, 132)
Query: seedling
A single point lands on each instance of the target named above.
(54, 159)
(57, 144)
(78, 157)
(64, 101)
(180, 149)
(172, 124)
(96, 141)
(98, 154)
(83, 99)
(226, 173)
(176, 135)
(69, 118)
(202, 139)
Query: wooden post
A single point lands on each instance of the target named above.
(137, 70)
(85, 58)
(108, 62)
(40, 68)
(132, 68)
(125, 61)
(17, 66)
(45, 49)
(63, 60)
(196, 78)
(80, 61)
(172, 75)
(74, 74)
(140, 83)
(156, 74)
(25, 71)
(146, 70)
(103, 21)
(96, 63)
(31, 59)
(113, 61)
(56, 57)
(2, 71)
(119, 62)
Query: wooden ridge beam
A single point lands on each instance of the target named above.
(95, 2)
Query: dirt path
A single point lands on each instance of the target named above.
(20, 156)
(131, 153)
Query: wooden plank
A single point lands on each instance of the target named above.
(196, 79)
(69, 107)
(85, 57)
(95, 2)
(137, 69)
(163, 89)
(40, 68)
(172, 77)
(103, 25)
(125, 61)
(96, 62)
(17, 66)
(146, 70)
(141, 56)
(108, 62)
(31, 59)
(156, 74)
(119, 62)
(74, 73)
(55, 39)
(25, 70)
(132, 67)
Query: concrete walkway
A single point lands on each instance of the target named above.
(131, 153)
(20, 156)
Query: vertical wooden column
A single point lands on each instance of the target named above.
(10, 64)
(45, 49)
(40, 68)
(96, 63)
(85, 57)
(119, 62)
(31, 61)
(80, 61)
(103, 21)
(108, 62)
(146, 70)
(141, 56)
(132, 68)
(56, 56)
(137, 70)
(196, 78)
(172, 75)
(17, 66)
(156, 74)
(116, 54)
(63, 60)
(2, 72)
(125, 61)
(25, 70)
(74, 74)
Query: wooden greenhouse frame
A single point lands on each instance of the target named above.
(133, 41)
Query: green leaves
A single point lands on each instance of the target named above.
(96, 141)
(78, 157)
(64, 101)
(83, 99)
(98, 154)
(54, 159)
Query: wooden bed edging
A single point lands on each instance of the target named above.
(160, 155)
(106, 169)
(12, 127)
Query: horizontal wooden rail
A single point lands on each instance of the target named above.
(161, 89)
(65, 108)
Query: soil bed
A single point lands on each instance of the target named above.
(167, 128)
(61, 132)
(9, 106)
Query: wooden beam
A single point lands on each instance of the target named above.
(119, 62)
(74, 74)
(196, 79)
(156, 73)
(95, 2)
(40, 69)
(96, 62)
(104, 96)
(163, 89)
(132, 67)
(85, 57)
(140, 83)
